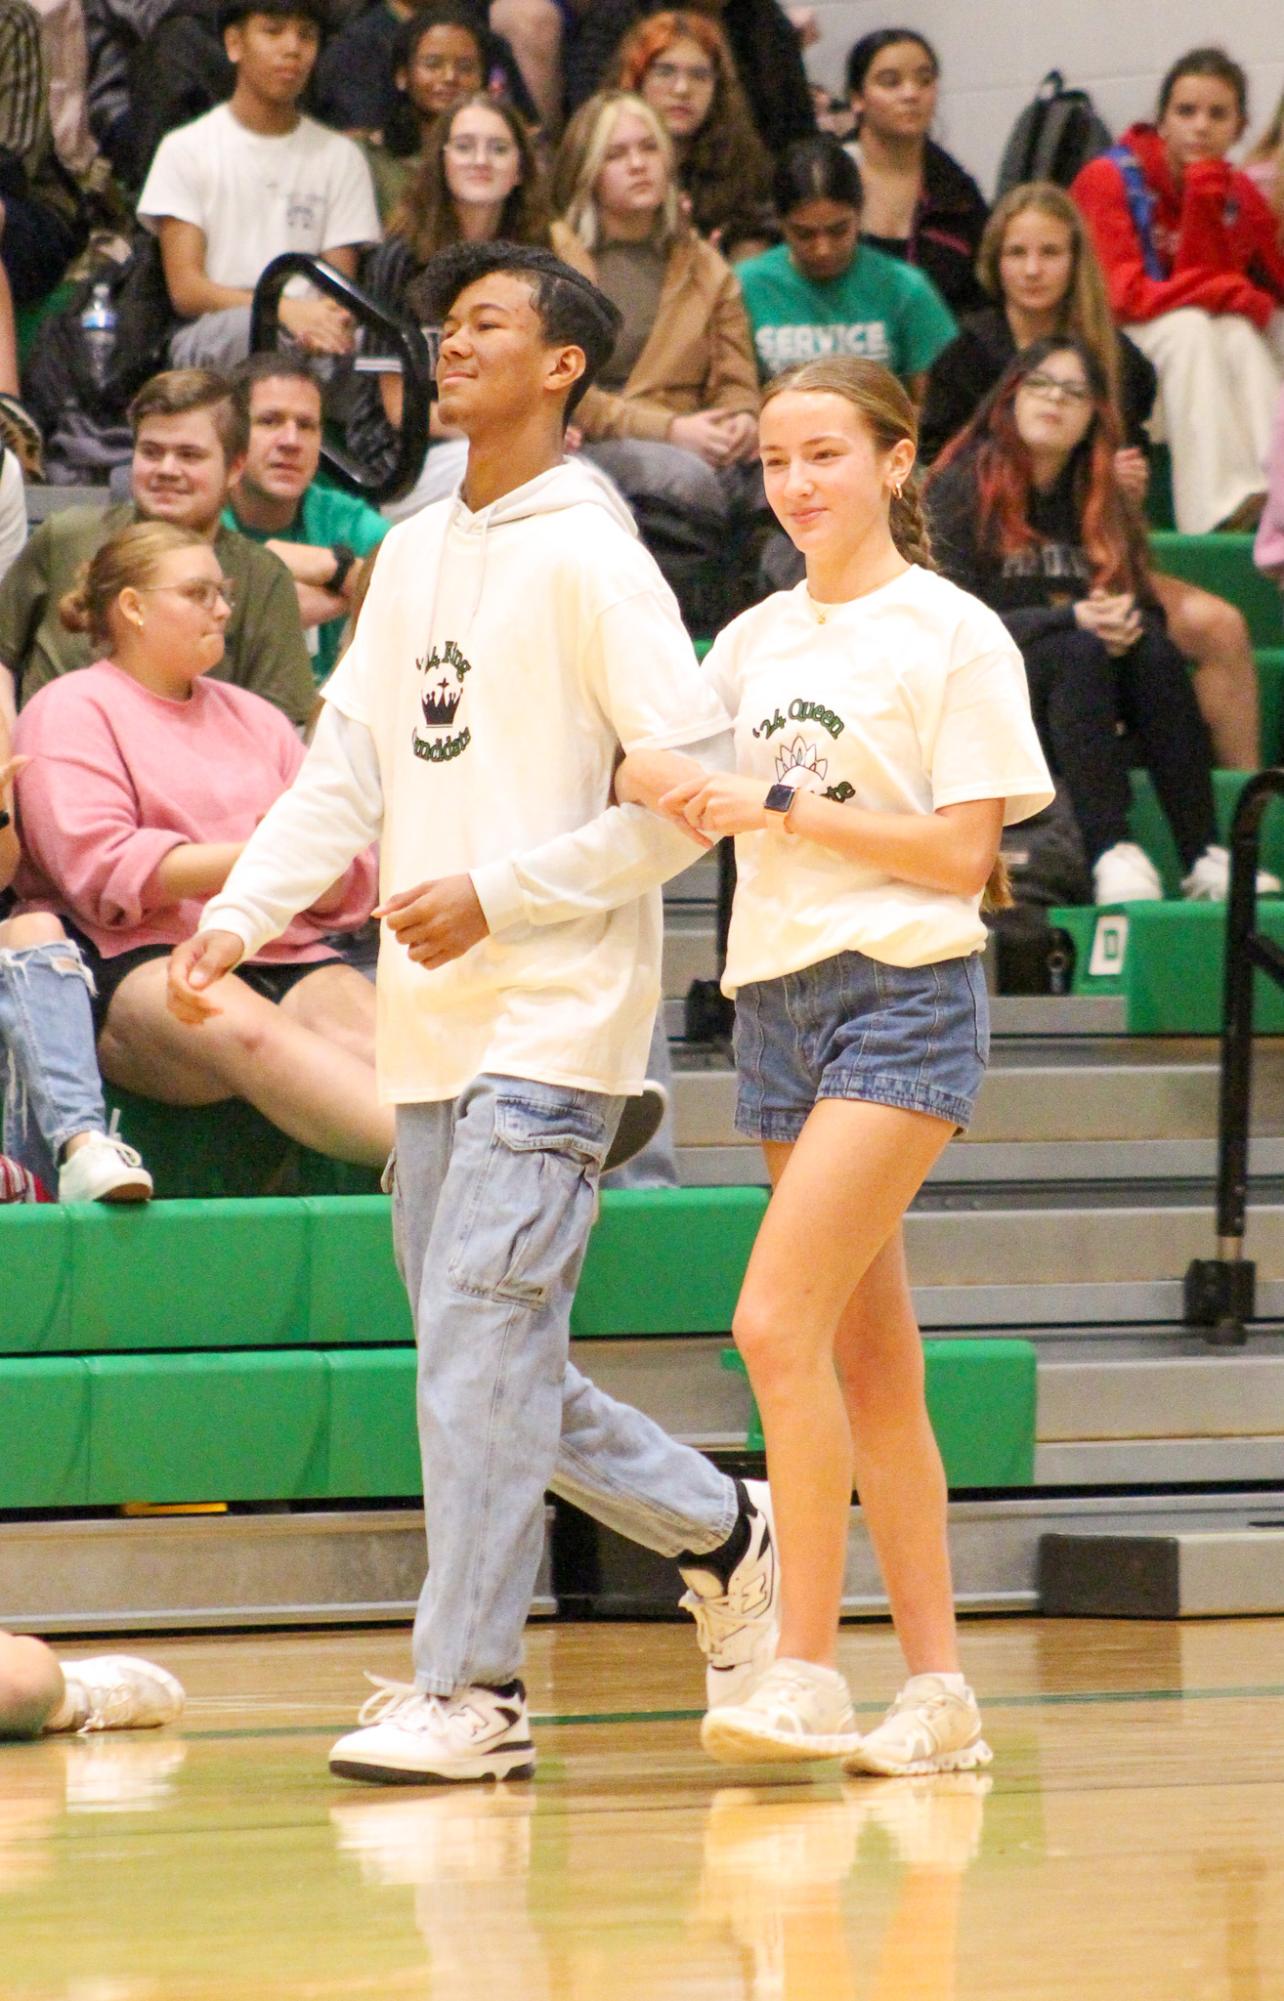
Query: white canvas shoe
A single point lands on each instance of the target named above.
(1209, 879)
(929, 1728)
(1126, 874)
(405, 1737)
(795, 1712)
(104, 1169)
(738, 1627)
(120, 1692)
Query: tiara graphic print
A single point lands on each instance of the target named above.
(441, 737)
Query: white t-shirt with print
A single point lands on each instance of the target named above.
(911, 698)
(501, 660)
(255, 196)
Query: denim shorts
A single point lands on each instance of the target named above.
(916, 1037)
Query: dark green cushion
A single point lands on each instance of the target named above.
(1224, 565)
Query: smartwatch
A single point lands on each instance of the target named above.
(779, 800)
(344, 557)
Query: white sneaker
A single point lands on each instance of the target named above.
(794, 1712)
(408, 1738)
(104, 1169)
(1209, 880)
(738, 1627)
(929, 1728)
(1126, 874)
(120, 1692)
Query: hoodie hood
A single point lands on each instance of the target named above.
(573, 483)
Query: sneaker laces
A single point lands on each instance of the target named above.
(782, 1686)
(393, 1702)
(105, 1707)
(112, 1138)
(715, 1620)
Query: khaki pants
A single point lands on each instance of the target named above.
(1219, 379)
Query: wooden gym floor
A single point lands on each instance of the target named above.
(1128, 1841)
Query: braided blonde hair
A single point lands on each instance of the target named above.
(889, 415)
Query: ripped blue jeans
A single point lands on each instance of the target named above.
(52, 1089)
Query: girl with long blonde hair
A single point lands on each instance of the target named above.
(883, 739)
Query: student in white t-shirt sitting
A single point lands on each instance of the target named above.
(250, 179)
(883, 738)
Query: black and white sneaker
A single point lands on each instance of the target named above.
(738, 1625)
(640, 1121)
(407, 1738)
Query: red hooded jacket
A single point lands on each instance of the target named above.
(1217, 237)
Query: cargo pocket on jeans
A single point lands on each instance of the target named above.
(529, 1212)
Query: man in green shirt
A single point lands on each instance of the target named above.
(320, 534)
(823, 292)
(189, 439)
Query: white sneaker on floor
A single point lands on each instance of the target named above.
(104, 1169)
(796, 1711)
(1126, 874)
(120, 1692)
(1209, 880)
(929, 1728)
(738, 1627)
(405, 1737)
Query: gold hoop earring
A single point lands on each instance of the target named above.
(898, 492)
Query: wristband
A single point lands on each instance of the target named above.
(344, 558)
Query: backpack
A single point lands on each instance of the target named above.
(1056, 135)
(58, 383)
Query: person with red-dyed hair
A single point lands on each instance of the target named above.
(682, 66)
(1027, 514)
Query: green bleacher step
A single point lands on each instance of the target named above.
(1223, 564)
(982, 1400)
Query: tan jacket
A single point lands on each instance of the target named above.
(699, 355)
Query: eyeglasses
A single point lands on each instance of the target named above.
(1059, 392)
(490, 149)
(698, 74)
(204, 591)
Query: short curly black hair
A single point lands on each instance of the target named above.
(572, 309)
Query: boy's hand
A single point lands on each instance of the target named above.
(436, 921)
(194, 966)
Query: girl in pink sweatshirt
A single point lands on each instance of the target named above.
(145, 780)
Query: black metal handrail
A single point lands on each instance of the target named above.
(1221, 1292)
(407, 340)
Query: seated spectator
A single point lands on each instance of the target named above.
(13, 511)
(479, 180)
(321, 534)
(145, 779)
(1265, 164)
(1028, 515)
(822, 291)
(252, 178)
(920, 204)
(1195, 271)
(672, 417)
(40, 223)
(356, 82)
(1037, 262)
(765, 43)
(189, 439)
(94, 1692)
(114, 31)
(438, 58)
(56, 1136)
(682, 65)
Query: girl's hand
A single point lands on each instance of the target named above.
(723, 804)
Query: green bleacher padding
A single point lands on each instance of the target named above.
(354, 1290)
(1270, 694)
(206, 1152)
(1167, 961)
(174, 1428)
(982, 1399)
(189, 1275)
(44, 1446)
(373, 1440)
(28, 320)
(1150, 829)
(1224, 565)
(36, 1315)
(667, 1261)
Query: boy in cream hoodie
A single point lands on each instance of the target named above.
(513, 641)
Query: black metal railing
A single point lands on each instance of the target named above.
(409, 348)
(1221, 1292)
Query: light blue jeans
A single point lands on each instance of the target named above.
(52, 1089)
(493, 1198)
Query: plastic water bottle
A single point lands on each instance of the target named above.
(98, 325)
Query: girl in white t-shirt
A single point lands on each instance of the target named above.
(883, 739)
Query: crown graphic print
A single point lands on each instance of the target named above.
(441, 690)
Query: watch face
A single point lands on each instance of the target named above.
(780, 798)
